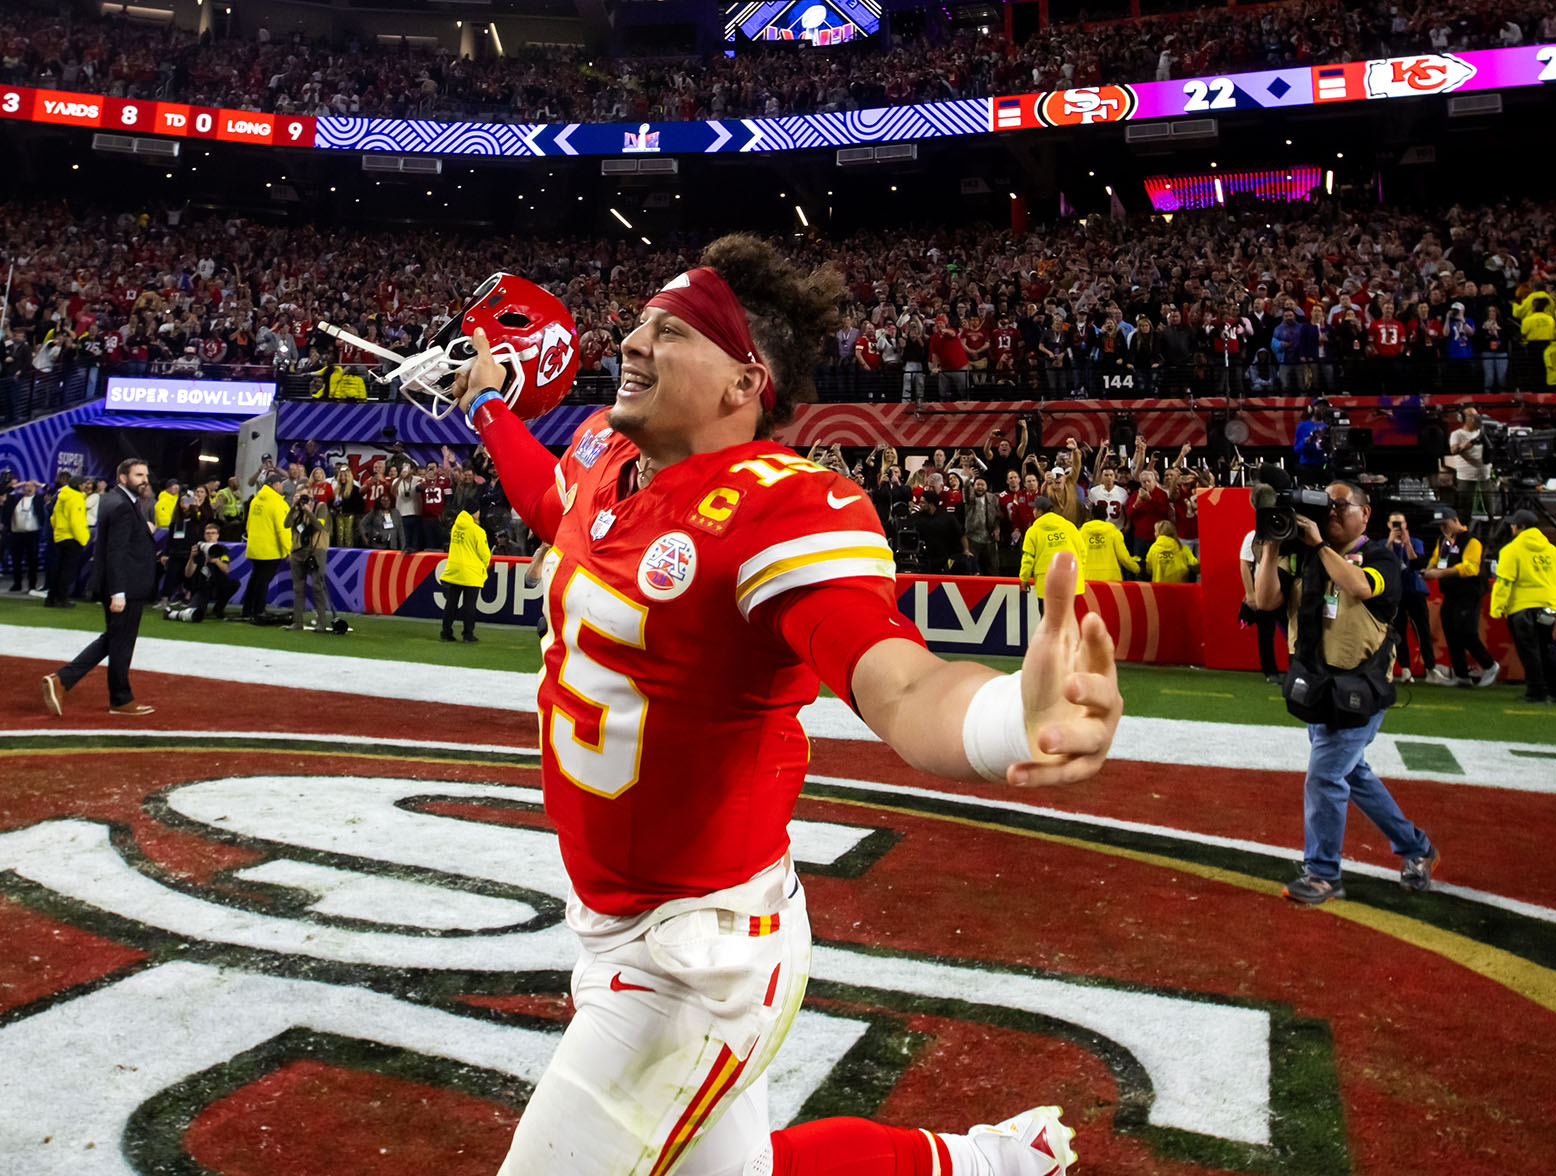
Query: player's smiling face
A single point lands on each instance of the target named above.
(672, 380)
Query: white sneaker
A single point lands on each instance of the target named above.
(1403, 676)
(1440, 676)
(1035, 1143)
(1487, 677)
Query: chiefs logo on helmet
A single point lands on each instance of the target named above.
(1089, 104)
(556, 352)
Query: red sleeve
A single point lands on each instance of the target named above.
(525, 467)
(831, 626)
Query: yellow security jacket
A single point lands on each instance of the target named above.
(1170, 562)
(69, 517)
(269, 537)
(1526, 574)
(1106, 553)
(1046, 538)
(468, 553)
(162, 513)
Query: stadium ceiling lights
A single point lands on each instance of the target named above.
(617, 215)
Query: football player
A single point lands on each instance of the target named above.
(702, 581)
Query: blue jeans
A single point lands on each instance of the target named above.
(1337, 772)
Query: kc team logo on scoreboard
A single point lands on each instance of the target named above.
(1408, 77)
(1087, 105)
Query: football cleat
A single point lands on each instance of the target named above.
(531, 334)
(1034, 1143)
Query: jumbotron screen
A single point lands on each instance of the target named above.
(1207, 189)
(808, 22)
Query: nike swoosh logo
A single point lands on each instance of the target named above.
(620, 985)
(837, 503)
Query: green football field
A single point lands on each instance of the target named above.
(1171, 692)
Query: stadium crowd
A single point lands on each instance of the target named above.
(1295, 298)
(288, 74)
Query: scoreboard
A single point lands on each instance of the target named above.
(134, 116)
(1277, 89)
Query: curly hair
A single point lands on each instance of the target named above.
(790, 313)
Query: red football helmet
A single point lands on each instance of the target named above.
(531, 334)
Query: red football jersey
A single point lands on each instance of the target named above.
(671, 743)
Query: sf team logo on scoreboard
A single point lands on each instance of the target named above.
(1087, 105)
(1063, 108)
(1408, 77)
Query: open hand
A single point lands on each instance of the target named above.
(1069, 688)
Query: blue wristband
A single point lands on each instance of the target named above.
(482, 398)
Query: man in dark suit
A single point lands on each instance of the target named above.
(124, 574)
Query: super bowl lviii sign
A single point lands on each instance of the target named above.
(173, 394)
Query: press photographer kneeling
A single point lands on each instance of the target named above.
(1340, 591)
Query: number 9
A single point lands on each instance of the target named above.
(295, 129)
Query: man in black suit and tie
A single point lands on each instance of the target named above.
(124, 574)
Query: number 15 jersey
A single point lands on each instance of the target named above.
(671, 743)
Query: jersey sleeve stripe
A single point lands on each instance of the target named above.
(817, 570)
(807, 545)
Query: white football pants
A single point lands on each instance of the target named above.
(662, 1068)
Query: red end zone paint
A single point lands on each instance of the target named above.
(1437, 1065)
(308, 1119)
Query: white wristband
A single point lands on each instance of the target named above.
(994, 732)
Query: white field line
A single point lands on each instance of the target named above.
(1486, 763)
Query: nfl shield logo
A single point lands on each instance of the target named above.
(668, 566)
(602, 524)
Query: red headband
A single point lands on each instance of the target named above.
(704, 301)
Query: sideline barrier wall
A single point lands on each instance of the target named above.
(1166, 624)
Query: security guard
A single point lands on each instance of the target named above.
(1525, 593)
(1049, 534)
(1106, 554)
(1341, 591)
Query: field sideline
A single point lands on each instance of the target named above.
(1494, 714)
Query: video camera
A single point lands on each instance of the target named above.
(1277, 503)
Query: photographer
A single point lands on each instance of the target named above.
(207, 575)
(1467, 457)
(1340, 591)
(309, 523)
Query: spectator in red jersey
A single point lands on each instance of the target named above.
(435, 487)
(975, 342)
(1385, 347)
(867, 361)
(1006, 343)
(948, 360)
(1148, 507)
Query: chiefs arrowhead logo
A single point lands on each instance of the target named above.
(557, 346)
(1090, 104)
(1427, 73)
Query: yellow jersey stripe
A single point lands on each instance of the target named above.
(818, 572)
(812, 544)
(777, 568)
